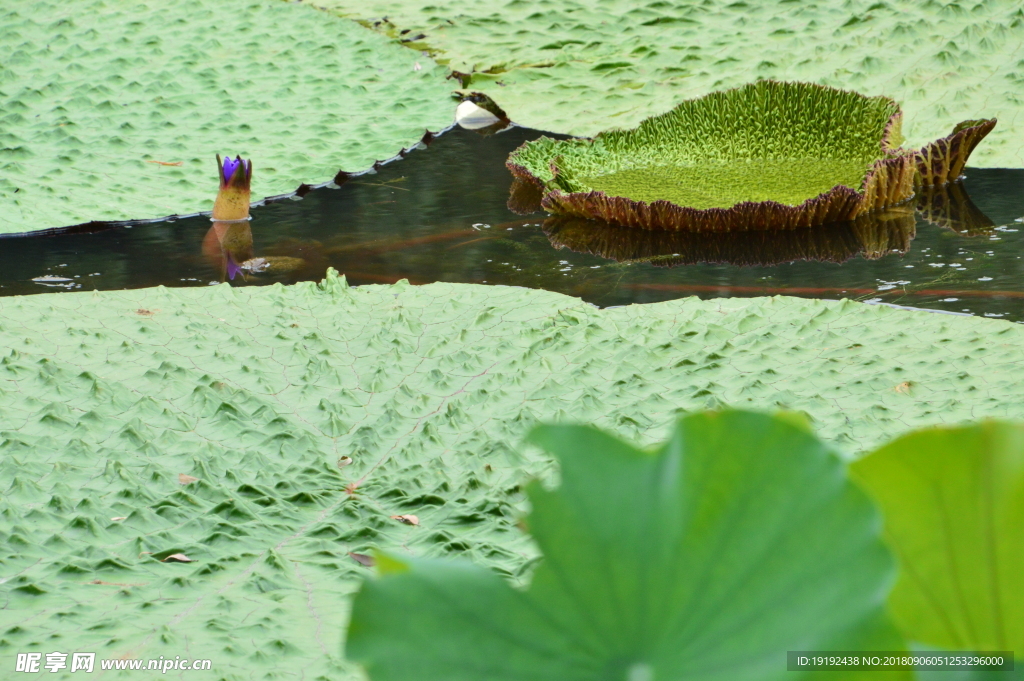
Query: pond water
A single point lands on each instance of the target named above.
(440, 214)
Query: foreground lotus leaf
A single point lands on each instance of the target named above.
(953, 501)
(738, 539)
(765, 156)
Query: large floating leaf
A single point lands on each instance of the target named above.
(739, 539)
(766, 156)
(579, 66)
(261, 392)
(953, 501)
(114, 110)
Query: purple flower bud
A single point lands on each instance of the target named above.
(229, 166)
(232, 201)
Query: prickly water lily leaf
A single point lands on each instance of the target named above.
(577, 67)
(739, 539)
(953, 502)
(114, 111)
(279, 398)
(943, 160)
(765, 156)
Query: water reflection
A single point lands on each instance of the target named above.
(871, 236)
(227, 245)
(441, 214)
(950, 207)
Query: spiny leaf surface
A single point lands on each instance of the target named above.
(114, 110)
(582, 66)
(106, 399)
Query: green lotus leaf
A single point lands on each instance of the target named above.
(737, 540)
(766, 156)
(953, 502)
(870, 236)
(114, 111)
(577, 66)
(278, 398)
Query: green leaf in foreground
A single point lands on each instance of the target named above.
(739, 539)
(953, 501)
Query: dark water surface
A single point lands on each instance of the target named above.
(441, 215)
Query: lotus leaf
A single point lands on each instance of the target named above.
(953, 502)
(113, 111)
(737, 540)
(311, 414)
(766, 156)
(578, 66)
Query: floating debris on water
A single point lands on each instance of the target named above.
(53, 281)
(274, 264)
(255, 265)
